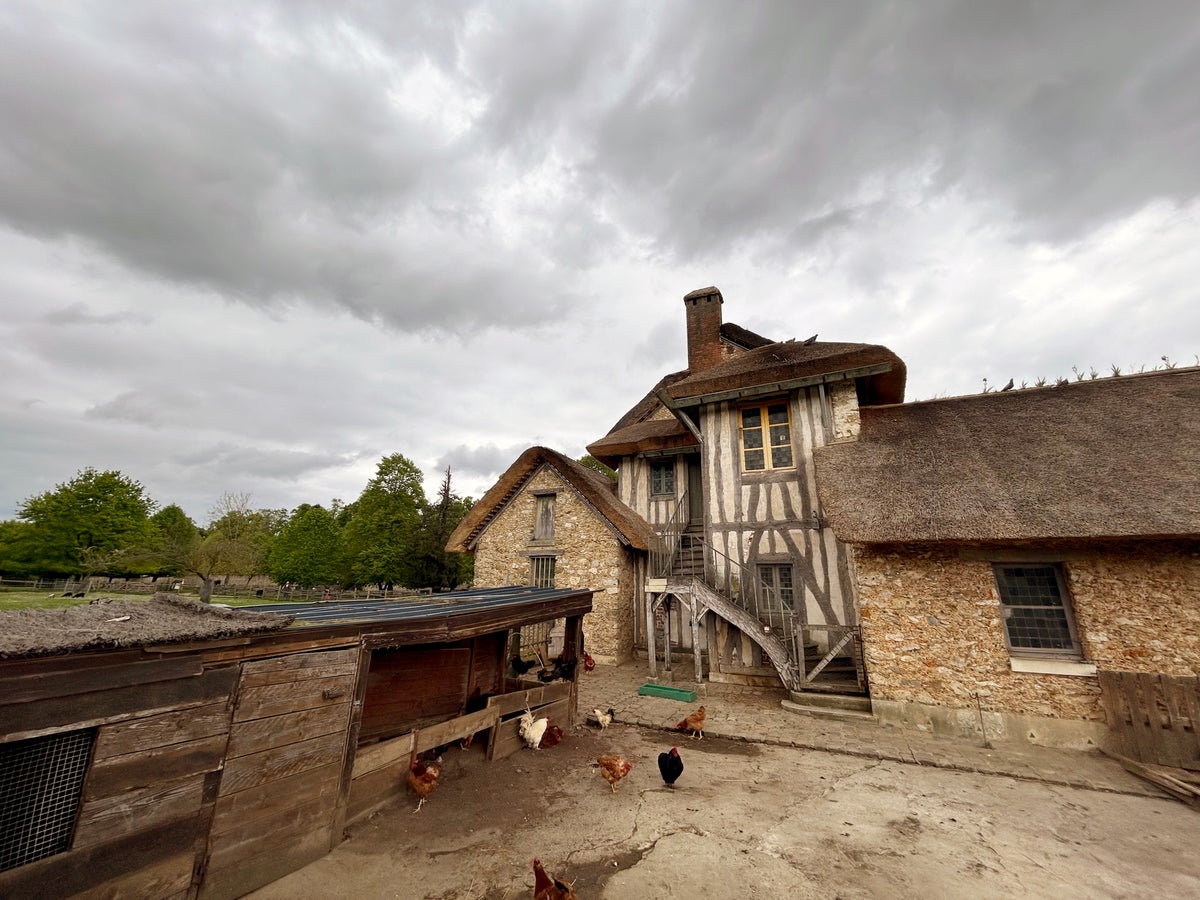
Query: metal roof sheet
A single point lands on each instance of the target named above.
(430, 607)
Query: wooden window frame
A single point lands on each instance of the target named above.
(1008, 608)
(773, 584)
(666, 466)
(766, 447)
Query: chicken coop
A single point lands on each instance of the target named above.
(177, 750)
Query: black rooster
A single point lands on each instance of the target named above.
(670, 766)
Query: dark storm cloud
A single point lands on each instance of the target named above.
(263, 159)
(1066, 115)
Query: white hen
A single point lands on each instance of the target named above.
(532, 730)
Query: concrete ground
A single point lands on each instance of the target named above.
(771, 804)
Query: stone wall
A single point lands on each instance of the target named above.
(934, 640)
(843, 400)
(588, 555)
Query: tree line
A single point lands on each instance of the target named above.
(104, 523)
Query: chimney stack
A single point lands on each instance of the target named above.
(703, 328)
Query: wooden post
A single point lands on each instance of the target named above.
(697, 614)
(651, 653)
(572, 653)
(667, 635)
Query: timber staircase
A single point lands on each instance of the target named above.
(682, 568)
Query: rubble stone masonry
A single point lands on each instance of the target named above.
(588, 554)
(934, 640)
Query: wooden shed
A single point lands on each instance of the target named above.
(172, 749)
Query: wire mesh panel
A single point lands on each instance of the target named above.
(41, 781)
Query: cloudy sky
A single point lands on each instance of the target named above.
(254, 247)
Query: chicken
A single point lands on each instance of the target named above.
(693, 723)
(603, 719)
(521, 666)
(547, 887)
(588, 662)
(532, 729)
(613, 768)
(423, 778)
(670, 766)
(553, 735)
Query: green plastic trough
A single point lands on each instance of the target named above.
(671, 693)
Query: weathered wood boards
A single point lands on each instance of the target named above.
(278, 795)
(1153, 718)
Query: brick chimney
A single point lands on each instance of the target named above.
(703, 328)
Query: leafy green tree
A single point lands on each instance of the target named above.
(308, 551)
(236, 542)
(94, 522)
(592, 463)
(383, 529)
(18, 550)
(434, 567)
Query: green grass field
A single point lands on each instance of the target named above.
(16, 599)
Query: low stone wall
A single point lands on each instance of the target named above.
(934, 640)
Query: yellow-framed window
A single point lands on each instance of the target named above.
(766, 434)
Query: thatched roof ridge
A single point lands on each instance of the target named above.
(127, 623)
(788, 360)
(656, 434)
(1109, 458)
(595, 488)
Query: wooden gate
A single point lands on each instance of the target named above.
(1153, 718)
(277, 802)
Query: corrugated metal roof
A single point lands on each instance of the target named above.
(432, 607)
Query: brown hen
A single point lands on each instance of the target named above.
(547, 887)
(614, 768)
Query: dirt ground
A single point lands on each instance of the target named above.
(751, 820)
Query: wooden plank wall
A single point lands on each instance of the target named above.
(410, 687)
(1153, 718)
(278, 795)
(162, 726)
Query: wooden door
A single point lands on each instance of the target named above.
(277, 801)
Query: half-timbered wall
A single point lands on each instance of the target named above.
(773, 516)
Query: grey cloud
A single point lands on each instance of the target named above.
(81, 314)
(258, 463)
(139, 408)
(486, 460)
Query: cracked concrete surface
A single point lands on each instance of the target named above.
(752, 819)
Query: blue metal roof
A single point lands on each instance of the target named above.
(421, 608)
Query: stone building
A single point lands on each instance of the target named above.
(1010, 548)
(553, 522)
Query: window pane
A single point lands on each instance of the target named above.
(780, 435)
(662, 478)
(1036, 615)
(781, 457)
(777, 414)
(752, 438)
(755, 460)
(1039, 628)
(751, 418)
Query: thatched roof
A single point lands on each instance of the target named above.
(765, 366)
(127, 623)
(775, 364)
(595, 488)
(1109, 458)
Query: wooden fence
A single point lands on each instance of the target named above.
(1153, 718)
